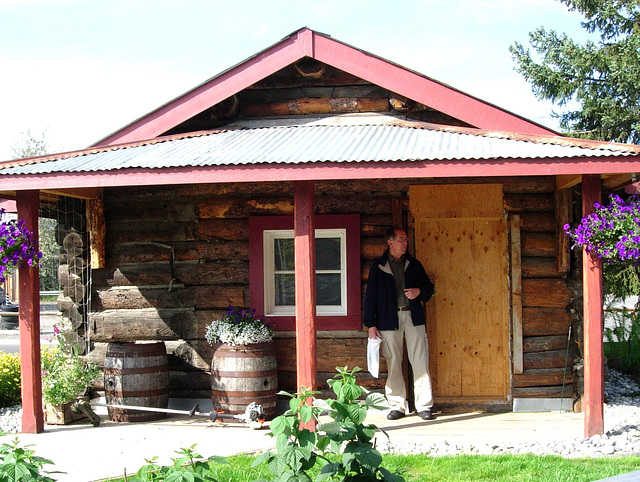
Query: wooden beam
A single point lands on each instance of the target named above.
(516, 294)
(305, 284)
(97, 232)
(593, 321)
(567, 180)
(563, 216)
(28, 204)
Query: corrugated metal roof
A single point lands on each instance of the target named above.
(312, 143)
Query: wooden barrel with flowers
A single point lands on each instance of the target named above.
(243, 367)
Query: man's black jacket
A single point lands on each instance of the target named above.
(381, 302)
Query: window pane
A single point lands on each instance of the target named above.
(328, 289)
(285, 290)
(283, 251)
(328, 253)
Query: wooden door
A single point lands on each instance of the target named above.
(460, 237)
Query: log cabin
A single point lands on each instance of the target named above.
(180, 211)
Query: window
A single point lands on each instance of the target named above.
(272, 270)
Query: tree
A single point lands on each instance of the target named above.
(602, 77)
(31, 146)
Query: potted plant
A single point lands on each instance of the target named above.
(611, 232)
(17, 246)
(66, 377)
(243, 361)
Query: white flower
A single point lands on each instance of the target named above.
(239, 327)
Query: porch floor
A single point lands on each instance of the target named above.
(88, 453)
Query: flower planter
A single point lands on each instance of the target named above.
(243, 374)
(60, 414)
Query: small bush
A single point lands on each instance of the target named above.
(10, 390)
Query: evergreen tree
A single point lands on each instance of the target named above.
(601, 77)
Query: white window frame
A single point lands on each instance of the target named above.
(270, 308)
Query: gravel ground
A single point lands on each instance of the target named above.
(621, 419)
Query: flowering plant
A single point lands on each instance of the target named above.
(239, 327)
(65, 374)
(17, 246)
(612, 232)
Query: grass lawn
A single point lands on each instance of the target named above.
(421, 468)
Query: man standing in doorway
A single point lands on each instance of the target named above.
(393, 311)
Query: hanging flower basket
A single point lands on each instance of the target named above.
(612, 232)
(17, 246)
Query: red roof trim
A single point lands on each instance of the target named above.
(324, 171)
(306, 42)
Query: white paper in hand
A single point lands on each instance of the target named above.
(373, 356)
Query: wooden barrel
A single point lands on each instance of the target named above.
(243, 374)
(136, 374)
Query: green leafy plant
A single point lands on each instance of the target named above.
(298, 449)
(239, 327)
(189, 467)
(65, 374)
(10, 387)
(21, 464)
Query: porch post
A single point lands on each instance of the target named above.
(28, 205)
(305, 284)
(593, 321)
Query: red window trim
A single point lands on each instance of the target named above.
(350, 222)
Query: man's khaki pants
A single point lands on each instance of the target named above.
(418, 353)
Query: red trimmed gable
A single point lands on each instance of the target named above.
(308, 43)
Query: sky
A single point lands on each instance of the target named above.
(74, 71)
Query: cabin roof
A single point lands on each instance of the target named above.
(340, 139)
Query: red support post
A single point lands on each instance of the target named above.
(593, 321)
(305, 284)
(28, 206)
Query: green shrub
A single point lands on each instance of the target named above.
(10, 390)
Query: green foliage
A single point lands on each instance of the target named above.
(298, 449)
(65, 375)
(50, 250)
(20, 464)
(10, 388)
(622, 336)
(602, 77)
(189, 467)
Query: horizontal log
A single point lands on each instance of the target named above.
(219, 297)
(142, 274)
(371, 248)
(545, 321)
(336, 105)
(316, 92)
(150, 231)
(230, 271)
(227, 229)
(528, 184)
(547, 359)
(552, 293)
(544, 343)
(164, 210)
(144, 252)
(534, 267)
(190, 381)
(543, 378)
(529, 202)
(147, 324)
(211, 250)
(375, 225)
(131, 298)
(539, 244)
(234, 207)
(290, 77)
(360, 203)
(538, 222)
(544, 392)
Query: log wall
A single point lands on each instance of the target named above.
(177, 257)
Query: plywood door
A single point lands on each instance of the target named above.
(460, 238)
